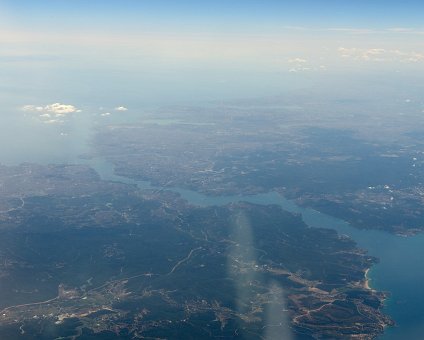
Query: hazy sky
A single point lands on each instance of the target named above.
(90, 49)
(216, 15)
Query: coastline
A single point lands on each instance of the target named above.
(311, 217)
(367, 280)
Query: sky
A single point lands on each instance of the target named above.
(220, 28)
(165, 50)
(241, 15)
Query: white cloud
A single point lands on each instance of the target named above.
(121, 108)
(53, 121)
(298, 65)
(55, 108)
(297, 61)
(303, 65)
(61, 109)
(32, 108)
(352, 30)
(400, 29)
(105, 114)
(298, 69)
(380, 55)
(51, 113)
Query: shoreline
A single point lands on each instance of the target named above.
(367, 280)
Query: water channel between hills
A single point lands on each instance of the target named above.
(398, 272)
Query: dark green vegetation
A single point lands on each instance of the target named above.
(370, 175)
(84, 258)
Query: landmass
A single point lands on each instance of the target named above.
(369, 175)
(84, 258)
